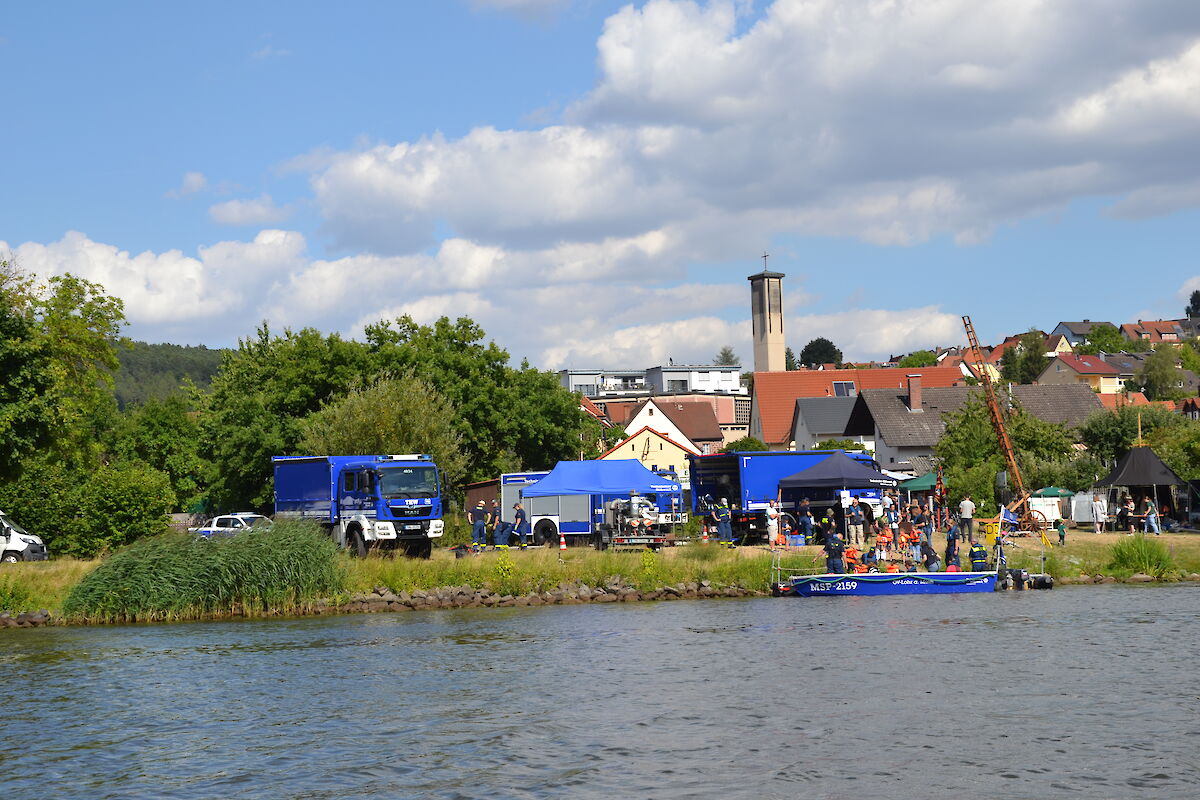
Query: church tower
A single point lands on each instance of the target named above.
(766, 315)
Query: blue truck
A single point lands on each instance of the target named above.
(384, 502)
(581, 499)
(749, 480)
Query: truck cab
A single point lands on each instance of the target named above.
(17, 544)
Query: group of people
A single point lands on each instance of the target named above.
(1133, 516)
(483, 518)
(899, 540)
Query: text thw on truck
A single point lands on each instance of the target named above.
(391, 502)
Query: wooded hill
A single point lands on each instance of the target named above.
(156, 371)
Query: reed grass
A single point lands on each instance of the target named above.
(1141, 554)
(181, 576)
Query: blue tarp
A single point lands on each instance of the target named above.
(839, 471)
(599, 477)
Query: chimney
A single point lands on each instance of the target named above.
(914, 393)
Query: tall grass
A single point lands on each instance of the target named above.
(540, 569)
(1140, 554)
(179, 576)
(42, 584)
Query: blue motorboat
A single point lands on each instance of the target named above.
(876, 583)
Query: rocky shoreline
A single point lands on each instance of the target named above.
(383, 600)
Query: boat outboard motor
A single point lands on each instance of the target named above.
(1019, 578)
(1043, 581)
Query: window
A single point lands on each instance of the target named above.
(843, 388)
(677, 386)
(348, 482)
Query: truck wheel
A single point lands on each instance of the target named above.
(10, 557)
(422, 549)
(355, 543)
(545, 533)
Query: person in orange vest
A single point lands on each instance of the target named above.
(853, 558)
(883, 540)
(893, 567)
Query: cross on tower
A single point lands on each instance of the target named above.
(764, 260)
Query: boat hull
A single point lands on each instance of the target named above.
(879, 583)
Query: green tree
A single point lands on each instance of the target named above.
(1109, 434)
(1193, 306)
(1158, 377)
(820, 351)
(397, 415)
(921, 358)
(1179, 447)
(789, 360)
(839, 444)
(26, 382)
(1103, 338)
(165, 434)
(1024, 361)
(746, 444)
(727, 358)
(118, 504)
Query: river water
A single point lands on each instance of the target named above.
(1077, 692)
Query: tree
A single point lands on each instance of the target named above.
(820, 351)
(1179, 447)
(392, 415)
(727, 358)
(1193, 306)
(1159, 377)
(1103, 339)
(165, 435)
(789, 360)
(921, 358)
(1024, 361)
(746, 444)
(1109, 434)
(839, 444)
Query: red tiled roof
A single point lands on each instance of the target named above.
(1115, 401)
(620, 412)
(696, 421)
(662, 436)
(775, 393)
(1088, 365)
(593, 410)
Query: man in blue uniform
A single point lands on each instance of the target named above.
(724, 527)
(520, 525)
(477, 516)
(835, 552)
(979, 557)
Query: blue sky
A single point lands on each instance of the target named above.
(593, 181)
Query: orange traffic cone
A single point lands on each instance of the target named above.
(704, 539)
(562, 541)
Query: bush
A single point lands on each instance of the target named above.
(1139, 554)
(175, 576)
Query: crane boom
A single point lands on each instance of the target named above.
(1020, 496)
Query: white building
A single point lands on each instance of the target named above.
(673, 378)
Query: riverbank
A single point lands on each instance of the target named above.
(541, 576)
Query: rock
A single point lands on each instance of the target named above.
(1097, 578)
(466, 590)
(405, 597)
(674, 591)
(489, 600)
(606, 598)
(389, 597)
(1193, 576)
(375, 606)
(1139, 577)
(420, 593)
(584, 593)
(536, 600)
(381, 590)
(705, 584)
(1107, 579)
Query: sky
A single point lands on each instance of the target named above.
(593, 181)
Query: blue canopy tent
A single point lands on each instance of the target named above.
(617, 477)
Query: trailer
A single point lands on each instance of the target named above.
(572, 500)
(749, 481)
(383, 502)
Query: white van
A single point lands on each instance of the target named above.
(17, 544)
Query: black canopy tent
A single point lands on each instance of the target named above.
(1143, 470)
(839, 471)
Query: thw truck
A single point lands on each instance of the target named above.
(750, 480)
(384, 502)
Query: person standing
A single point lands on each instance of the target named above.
(478, 519)
(772, 515)
(723, 518)
(1098, 513)
(1061, 527)
(835, 550)
(805, 521)
(979, 557)
(952, 548)
(499, 531)
(966, 517)
(520, 523)
(854, 516)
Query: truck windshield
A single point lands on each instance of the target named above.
(6, 522)
(408, 482)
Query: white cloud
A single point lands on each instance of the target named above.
(1185, 292)
(876, 333)
(258, 211)
(893, 122)
(192, 182)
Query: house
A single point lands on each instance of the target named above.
(1090, 370)
(1190, 407)
(1114, 401)
(906, 423)
(1057, 345)
(595, 412)
(685, 378)
(733, 411)
(1127, 365)
(656, 451)
(773, 402)
(1153, 331)
(1077, 333)
(598, 382)
(693, 425)
(819, 419)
